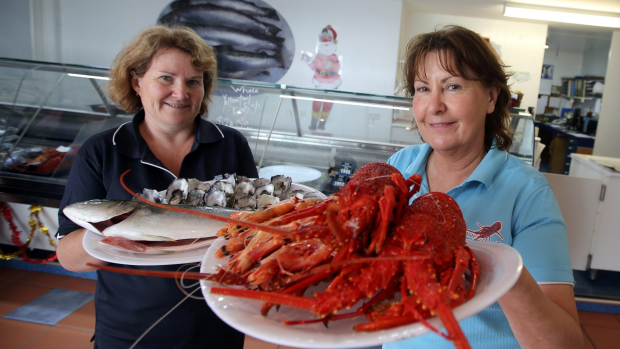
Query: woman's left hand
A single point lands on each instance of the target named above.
(542, 316)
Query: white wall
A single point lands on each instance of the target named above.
(595, 62)
(15, 25)
(607, 141)
(367, 33)
(565, 64)
(92, 32)
(521, 44)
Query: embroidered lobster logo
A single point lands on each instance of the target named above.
(485, 233)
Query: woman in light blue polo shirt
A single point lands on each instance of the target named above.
(460, 103)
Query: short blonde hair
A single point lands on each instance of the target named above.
(137, 56)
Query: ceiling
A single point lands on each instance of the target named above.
(563, 37)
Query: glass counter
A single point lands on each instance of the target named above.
(523, 138)
(48, 110)
(277, 120)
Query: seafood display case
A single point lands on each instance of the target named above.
(317, 137)
(46, 111)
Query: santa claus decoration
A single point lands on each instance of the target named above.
(326, 67)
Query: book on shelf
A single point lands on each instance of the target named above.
(580, 86)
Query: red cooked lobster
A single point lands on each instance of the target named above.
(368, 242)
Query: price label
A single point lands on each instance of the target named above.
(340, 180)
(346, 168)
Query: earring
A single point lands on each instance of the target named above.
(137, 94)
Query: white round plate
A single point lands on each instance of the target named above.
(307, 190)
(500, 265)
(114, 255)
(298, 174)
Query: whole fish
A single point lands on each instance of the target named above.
(238, 5)
(237, 39)
(142, 222)
(218, 16)
(231, 60)
(250, 74)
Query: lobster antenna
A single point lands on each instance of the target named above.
(371, 178)
(181, 281)
(439, 209)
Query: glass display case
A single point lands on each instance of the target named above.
(523, 138)
(318, 137)
(310, 133)
(46, 111)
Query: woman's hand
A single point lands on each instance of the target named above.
(542, 316)
(72, 255)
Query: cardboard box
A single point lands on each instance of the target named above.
(557, 154)
(515, 101)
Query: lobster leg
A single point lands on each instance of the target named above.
(457, 281)
(452, 326)
(422, 283)
(331, 216)
(474, 266)
(307, 212)
(386, 207)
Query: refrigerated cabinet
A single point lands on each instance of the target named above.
(48, 110)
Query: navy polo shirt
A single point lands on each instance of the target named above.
(128, 305)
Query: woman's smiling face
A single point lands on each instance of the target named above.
(449, 110)
(171, 90)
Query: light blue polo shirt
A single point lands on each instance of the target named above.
(503, 200)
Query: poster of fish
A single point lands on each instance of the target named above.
(252, 40)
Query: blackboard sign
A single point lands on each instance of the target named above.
(240, 104)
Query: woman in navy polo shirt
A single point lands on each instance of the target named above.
(460, 103)
(167, 76)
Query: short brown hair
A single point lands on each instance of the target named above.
(137, 56)
(464, 53)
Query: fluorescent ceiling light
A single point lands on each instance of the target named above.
(345, 102)
(89, 76)
(564, 15)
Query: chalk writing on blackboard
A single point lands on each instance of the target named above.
(239, 106)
